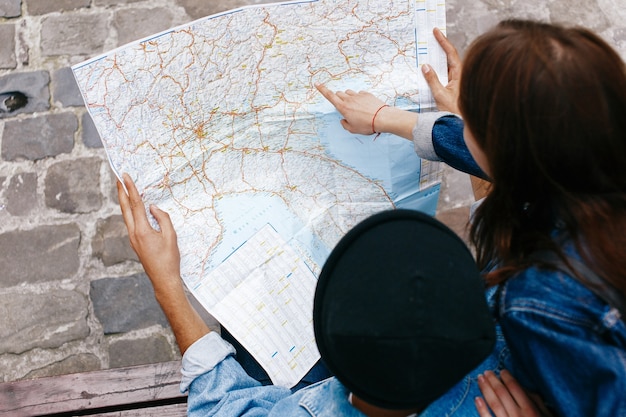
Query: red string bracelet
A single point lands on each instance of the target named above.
(374, 119)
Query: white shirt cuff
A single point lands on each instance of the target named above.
(202, 356)
(423, 134)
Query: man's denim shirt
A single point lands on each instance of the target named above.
(218, 386)
(565, 343)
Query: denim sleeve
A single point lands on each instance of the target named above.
(218, 385)
(438, 136)
(567, 345)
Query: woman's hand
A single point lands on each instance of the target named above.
(365, 114)
(157, 250)
(504, 396)
(358, 109)
(445, 97)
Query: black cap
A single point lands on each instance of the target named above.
(400, 314)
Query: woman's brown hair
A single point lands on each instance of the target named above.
(547, 106)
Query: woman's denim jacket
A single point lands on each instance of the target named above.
(565, 343)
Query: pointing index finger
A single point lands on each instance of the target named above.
(329, 95)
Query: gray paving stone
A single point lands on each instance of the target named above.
(153, 349)
(39, 7)
(579, 11)
(134, 24)
(125, 304)
(64, 88)
(7, 46)
(73, 186)
(111, 243)
(201, 8)
(113, 190)
(456, 219)
(43, 254)
(90, 135)
(113, 2)
(33, 85)
(10, 8)
(41, 320)
(83, 362)
(73, 34)
(21, 194)
(39, 137)
(23, 47)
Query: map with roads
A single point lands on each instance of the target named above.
(218, 123)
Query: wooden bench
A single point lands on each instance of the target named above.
(145, 390)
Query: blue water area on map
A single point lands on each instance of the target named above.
(245, 214)
(389, 159)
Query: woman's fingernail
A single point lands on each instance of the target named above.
(426, 68)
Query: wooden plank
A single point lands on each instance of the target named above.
(174, 410)
(91, 390)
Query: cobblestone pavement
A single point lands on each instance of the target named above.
(72, 295)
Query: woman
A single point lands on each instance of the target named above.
(544, 119)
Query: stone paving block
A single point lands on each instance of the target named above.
(33, 86)
(82, 362)
(201, 8)
(579, 11)
(125, 304)
(39, 7)
(21, 194)
(64, 88)
(134, 24)
(153, 349)
(39, 137)
(55, 249)
(74, 34)
(7, 46)
(3, 188)
(111, 243)
(73, 186)
(23, 47)
(91, 138)
(456, 219)
(10, 8)
(41, 320)
(113, 2)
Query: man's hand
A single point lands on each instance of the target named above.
(504, 396)
(157, 251)
(445, 97)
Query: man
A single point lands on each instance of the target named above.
(399, 317)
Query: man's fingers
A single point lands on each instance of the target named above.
(127, 214)
(164, 221)
(137, 208)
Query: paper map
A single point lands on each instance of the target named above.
(219, 124)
